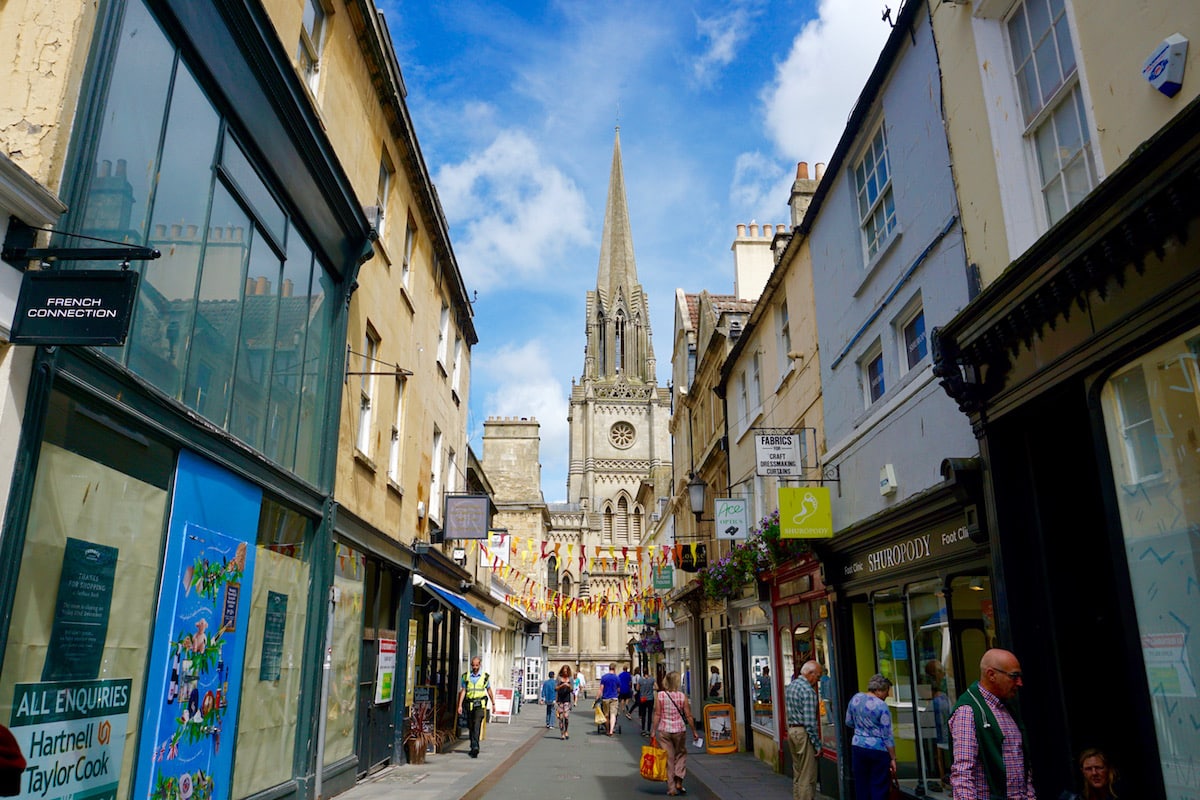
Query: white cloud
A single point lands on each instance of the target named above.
(761, 185)
(521, 382)
(816, 86)
(723, 34)
(520, 216)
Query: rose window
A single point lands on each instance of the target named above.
(622, 434)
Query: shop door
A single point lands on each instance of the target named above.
(376, 722)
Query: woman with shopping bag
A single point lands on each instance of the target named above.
(672, 718)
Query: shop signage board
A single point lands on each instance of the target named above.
(664, 577)
(805, 512)
(72, 735)
(502, 711)
(779, 455)
(81, 612)
(720, 728)
(881, 559)
(385, 671)
(83, 307)
(467, 516)
(732, 517)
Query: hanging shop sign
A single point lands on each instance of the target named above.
(693, 557)
(467, 516)
(83, 307)
(732, 515)
(779, 455)
(805, 512)
(664, 577)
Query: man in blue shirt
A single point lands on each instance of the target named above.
(548, 698)
(610, 688)
(625, 690)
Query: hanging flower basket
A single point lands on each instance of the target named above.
(763, 550)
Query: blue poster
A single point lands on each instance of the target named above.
(195, 685)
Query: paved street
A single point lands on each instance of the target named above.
(522, 760)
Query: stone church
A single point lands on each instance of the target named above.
(619, 458)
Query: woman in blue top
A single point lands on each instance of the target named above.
(874, 749)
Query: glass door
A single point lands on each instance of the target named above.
(931, 638)
(893, 660)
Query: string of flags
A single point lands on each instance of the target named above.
(629, 600)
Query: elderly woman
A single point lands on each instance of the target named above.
(873, 752)
(672, 717)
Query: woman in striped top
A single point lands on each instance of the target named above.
(672, 717)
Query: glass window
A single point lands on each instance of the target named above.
(410, 241)
(384, 188)
(252, 357)
(830, 715)
(785, 338)
(915, 345)
(758, 648)
(873, 187)
(1158, 523)
(713, 655)
(366, 390)
(1047, 86)
(893, 662)
(100, 497)
(395, 449)
(308, 52)
(443, 335)
(872, 373)
(266, 733)
(931, 648)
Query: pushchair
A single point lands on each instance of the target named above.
(601, 720)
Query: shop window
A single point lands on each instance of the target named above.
(762, 682)
(713, 658)
(1158, 525)
(100, 499)
(223, 322)
(267, 726)
(830, 714)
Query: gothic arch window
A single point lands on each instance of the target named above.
(601, 345)
(564, 632)
(606, 532)
(621, 533)
(619, 342)
(552, 582)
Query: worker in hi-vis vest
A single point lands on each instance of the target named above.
(476, 688)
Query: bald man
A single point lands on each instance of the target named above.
(989, 739)
(802, 706)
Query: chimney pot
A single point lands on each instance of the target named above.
(286, 288)
(802, 171)
(820, 170)
(754, 229)
(741, 228)
(176, 232)
(105, 168)
(122, 164)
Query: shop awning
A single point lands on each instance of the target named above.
(453, 600)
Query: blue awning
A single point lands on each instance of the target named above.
(473, 614)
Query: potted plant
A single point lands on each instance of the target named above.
(422, 733)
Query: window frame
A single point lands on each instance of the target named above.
(875, 242)
(308, 51)
(783, 336)
(873, 355)
(366, 390)
(395, 450)
(910, 315)
(383, 190)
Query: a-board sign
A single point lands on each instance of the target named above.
(504, 705)
(85, 306)
(720, 728)
(422, 716)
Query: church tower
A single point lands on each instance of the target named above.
(618, 414)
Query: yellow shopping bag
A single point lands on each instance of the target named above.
(654, 762)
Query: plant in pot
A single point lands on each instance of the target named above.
(422, 733)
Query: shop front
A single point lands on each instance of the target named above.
(915, 604)
(755, 673)
(800, 609)
(1089, 417)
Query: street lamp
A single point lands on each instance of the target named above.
(696, 489)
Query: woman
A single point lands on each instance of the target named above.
(564, 693)
(645, 693)
(873, 751)
(1098, 776)
(672, 716)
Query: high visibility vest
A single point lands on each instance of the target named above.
(476, 687)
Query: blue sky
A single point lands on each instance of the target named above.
(515, 106)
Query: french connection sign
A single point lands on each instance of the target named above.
(84, 307)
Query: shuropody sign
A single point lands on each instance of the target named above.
(903, 553)
(83, 307)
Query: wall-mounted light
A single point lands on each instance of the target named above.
(976, 585)
(696, 489)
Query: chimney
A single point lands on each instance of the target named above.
(803, 190)
(285, 288)
(263, 286)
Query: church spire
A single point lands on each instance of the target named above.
(617, 270)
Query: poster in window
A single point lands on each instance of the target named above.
(273, 631)
(81, 611)
(385, 671)
(193, 730)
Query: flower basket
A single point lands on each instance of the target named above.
(740, 567)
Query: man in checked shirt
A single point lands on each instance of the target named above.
(804, 733)
(988, 736)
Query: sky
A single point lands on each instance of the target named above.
(515, 107)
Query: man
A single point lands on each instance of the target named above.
(548, 692)
(762, 686)
(476, 688)
(804, 731)
(987, 734)
(625, 690)
(610, 689)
